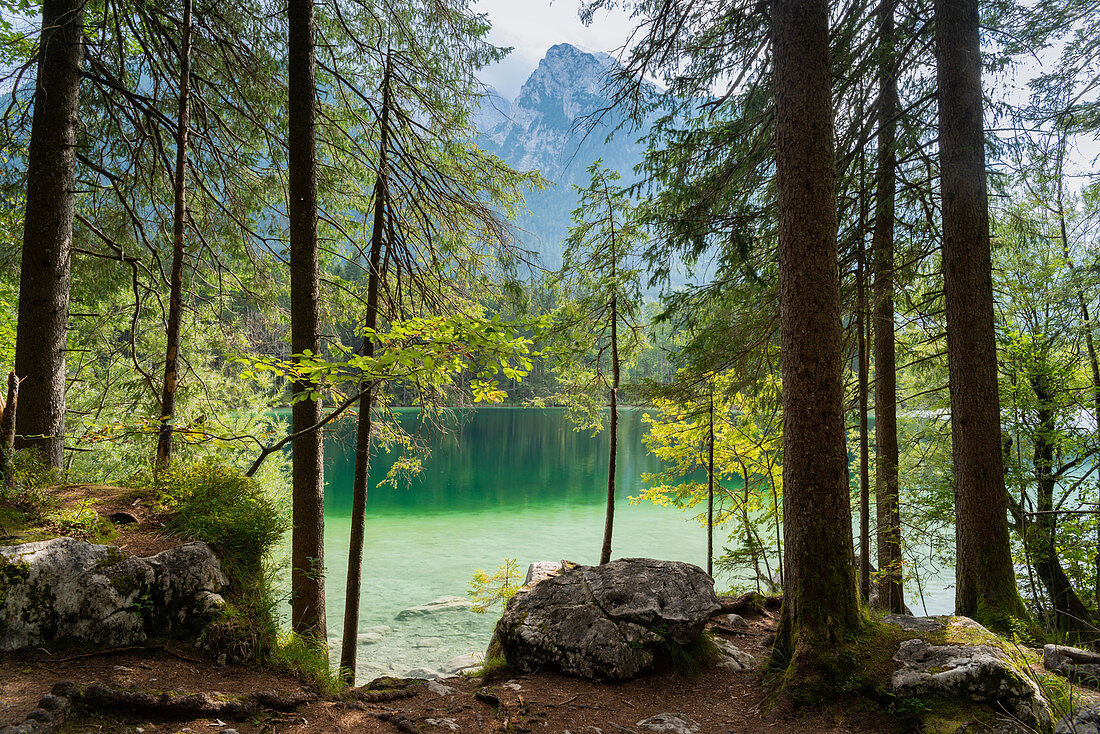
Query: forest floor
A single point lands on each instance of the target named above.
(718, 700)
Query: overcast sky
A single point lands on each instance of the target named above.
(532, 26)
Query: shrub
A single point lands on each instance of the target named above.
(233, 514)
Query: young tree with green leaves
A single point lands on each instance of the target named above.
(600, 325)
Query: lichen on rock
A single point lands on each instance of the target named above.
(609, 622)
(66, 589)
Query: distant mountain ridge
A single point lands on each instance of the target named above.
(544, 129)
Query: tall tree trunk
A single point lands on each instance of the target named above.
(710, 487)
(307, 574)
(349, 647)
(48, 232)
(609, 519)
(985, 584)
(175, 279)
(864, 458)
(888, 513)
(820, 603)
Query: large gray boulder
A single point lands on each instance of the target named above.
(66, 589)
(609, 622)
(974, 672)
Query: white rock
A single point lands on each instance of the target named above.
(671, 724)
(369, 638)
(68, 589)
(439, 689)
(462, 663)
(975, 672)
(443, 723)
(423, 673)
(736, 620)
(733, 657)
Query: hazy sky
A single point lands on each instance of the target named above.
(532, 26)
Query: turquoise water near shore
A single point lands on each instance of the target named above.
(499, 483)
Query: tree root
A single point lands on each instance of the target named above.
(173, 704)
(748, 602)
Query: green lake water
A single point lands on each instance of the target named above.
(499, 483)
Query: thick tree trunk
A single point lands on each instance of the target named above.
(820, 604)
(609, 518)
(48, 232)
(985, 584)
(349, 647)
(307, 579)
(888, 514)
(175, 278)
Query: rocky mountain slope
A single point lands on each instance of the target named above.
(544, 129)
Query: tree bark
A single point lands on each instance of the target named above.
(985, 584)
(820, 604)
(888, 514)
(46, 265)
(175, 278)
(349, 647)
(9, 408)
(710, 488)
(307, 543)
(609, 517)
(864, 369)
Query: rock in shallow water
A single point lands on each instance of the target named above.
(609, 622)
(436, 606)
(68, 589)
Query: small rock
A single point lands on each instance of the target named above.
(909, 622)
(443, 723)
(736, 621)
(542, 570)
(421, 643)
(123, 669)
(436, 606)
(1083, 720)
(424, 674)
(513, 685)
(670, 723)
(1071, 661)
(439, 689)
(733, 657)
(369, 638)
(462, 663)
(229, 731)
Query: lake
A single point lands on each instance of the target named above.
(499, 483)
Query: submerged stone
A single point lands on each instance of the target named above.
(443, 604)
